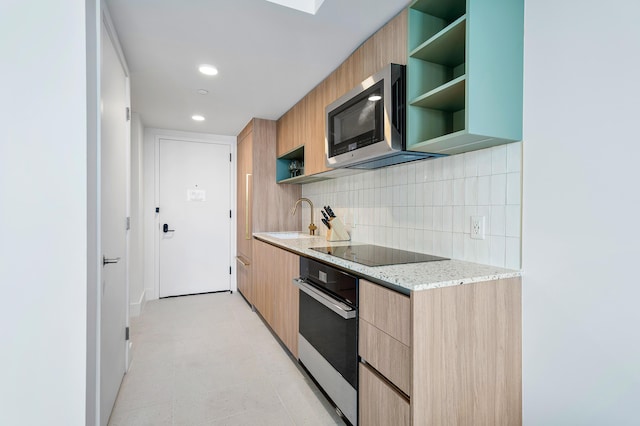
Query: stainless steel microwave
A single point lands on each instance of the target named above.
(365, 128)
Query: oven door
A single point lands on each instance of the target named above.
(327, 345)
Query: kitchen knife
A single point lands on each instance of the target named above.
(324, 214)
(328, 208)
(326, 223)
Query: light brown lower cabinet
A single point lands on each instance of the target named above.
(275, 297)
(243, 272)
(380, 404)
(465, 355)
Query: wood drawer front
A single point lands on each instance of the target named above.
(390, 357)
(387, 310)
(379, 404)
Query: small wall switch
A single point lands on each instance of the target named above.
(477, 227)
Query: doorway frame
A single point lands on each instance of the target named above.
(96, 13)
(152, 139)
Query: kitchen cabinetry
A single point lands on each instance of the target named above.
(260, 200)
(459, 346)
(464, 74)
(301, 130)
(275, 297)
(380, 404)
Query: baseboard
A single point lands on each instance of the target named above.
(136, 308)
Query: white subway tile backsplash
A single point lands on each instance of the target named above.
(447, 218)
(471, 191)
(411, 194)
(470, 251)
(411, 172)
(438, 193)
(447, 192)
(484, 162)
(497, 251)
(428, 241)
(458, 246)
(437, 218)
(499, 160)
(513, 188)
(483, 251)
(419, 217)
(458, 192)
(420, 194)
(512, 253)
(498, 221)
(468, 212)
(458, 219)
(428, 218)
(486, 212)
(484, 190)
(458, 166)
(428, 193)
(512, 221)
(429, 170)
(514, 157)
(426, 206)
(447, 167)
(471, 164)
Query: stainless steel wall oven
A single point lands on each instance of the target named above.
(328, 332)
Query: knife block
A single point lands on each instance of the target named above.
(337, 231)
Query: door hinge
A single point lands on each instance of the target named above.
(229, 157)
(126, 333)
(128, 223)
(229, 214)
(229, 270)
(128, 113)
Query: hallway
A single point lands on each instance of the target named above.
(209, 360)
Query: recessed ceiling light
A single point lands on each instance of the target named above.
(202, 92)
(197, 118)
(208, 69)
(308, 6)
(374, 98)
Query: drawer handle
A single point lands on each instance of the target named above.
(336, 306)
(243, 261)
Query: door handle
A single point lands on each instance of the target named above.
(165, 228)
(107, 261)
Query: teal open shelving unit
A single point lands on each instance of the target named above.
(464, 74)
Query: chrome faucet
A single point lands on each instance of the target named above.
(312, 226)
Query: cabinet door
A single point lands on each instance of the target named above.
(387, 45)
(276, 298)
(285, 306)
(245, 185)
(243, 274)
(380, 404)
(264, 275)
(314, 153)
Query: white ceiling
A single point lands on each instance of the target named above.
(268, 56)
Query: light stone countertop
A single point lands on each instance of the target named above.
(404, 278)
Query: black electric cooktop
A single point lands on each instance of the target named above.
(371, 255)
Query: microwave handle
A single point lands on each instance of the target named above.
(336, 306)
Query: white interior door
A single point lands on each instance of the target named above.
(113, 190)
(194, 201)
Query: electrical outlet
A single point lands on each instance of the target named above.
(477, 227)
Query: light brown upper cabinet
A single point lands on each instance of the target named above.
(304, 124)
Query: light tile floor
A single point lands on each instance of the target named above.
(209, 360)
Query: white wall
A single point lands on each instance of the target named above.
(426, 206)
(136, 236)
(151, 224)
(581, 212)
(43, 212)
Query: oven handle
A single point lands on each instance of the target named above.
(336, 306)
